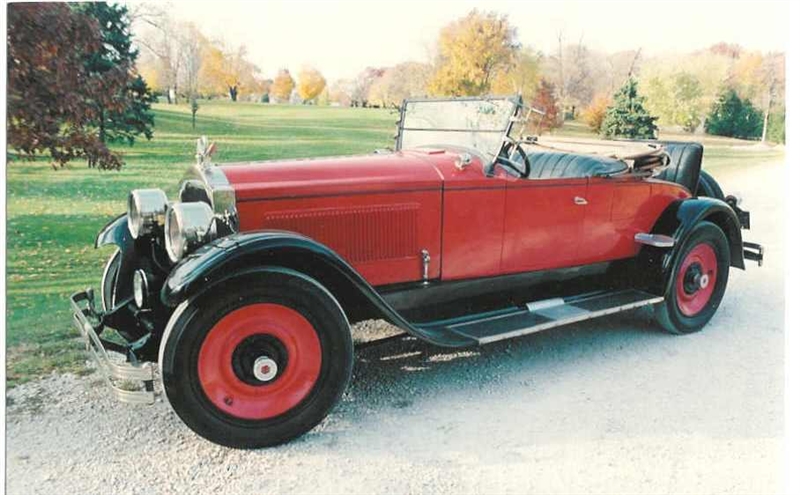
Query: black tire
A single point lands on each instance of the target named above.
(109, 282)
(677, 313)
(192, 325)
(709, 187)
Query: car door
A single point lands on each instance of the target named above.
(543, 223)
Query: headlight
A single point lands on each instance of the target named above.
(146, 211)
(188, 226)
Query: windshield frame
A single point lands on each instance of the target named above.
(505, 132)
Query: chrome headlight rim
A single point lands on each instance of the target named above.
(147, 209)
(188, 226)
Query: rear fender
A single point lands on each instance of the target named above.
(237, 254)
(677, 221)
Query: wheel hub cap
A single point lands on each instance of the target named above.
(265, 369)
(696, 279)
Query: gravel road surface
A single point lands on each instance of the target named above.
(607, 406)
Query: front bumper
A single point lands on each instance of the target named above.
(129, 382)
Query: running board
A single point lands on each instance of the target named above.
(549, 313)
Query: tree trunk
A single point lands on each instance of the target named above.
(766, 119)
(234, 92)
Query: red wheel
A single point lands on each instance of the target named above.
(698, 280)
(258, 360)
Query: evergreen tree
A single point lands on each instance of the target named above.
(627, 116)
(733, 116)
(124, 114)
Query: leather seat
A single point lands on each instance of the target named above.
(555, 165)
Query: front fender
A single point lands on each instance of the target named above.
(677, 221)
(229, 256)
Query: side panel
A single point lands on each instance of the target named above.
(380, 235)
(618, 209)
(543, 224)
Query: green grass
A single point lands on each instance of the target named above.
(53, 215)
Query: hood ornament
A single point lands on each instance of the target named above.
(204, 152)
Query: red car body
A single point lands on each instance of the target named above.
(380, 211)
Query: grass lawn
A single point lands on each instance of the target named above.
(53, 215)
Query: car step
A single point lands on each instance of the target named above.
(549, 313)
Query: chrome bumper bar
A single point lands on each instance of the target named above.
(754, 252)
(121, 377)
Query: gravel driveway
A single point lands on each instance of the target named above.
(607, 406)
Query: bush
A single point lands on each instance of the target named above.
(265, 98)
(595, 113)
(732, 116)
(627, 116)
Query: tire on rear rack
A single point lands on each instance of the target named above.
(257, 361)
(699, 277)
(709, 187)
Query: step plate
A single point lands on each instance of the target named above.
(544, 316)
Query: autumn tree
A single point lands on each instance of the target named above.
(627, 116)
(676, 99)
(405, 80)
(472, 51)
(595, 113)
(545, 101)
(229, 72)
(282, 86)
(361, 86)
(53, 94)
(129, 116)
(310, 84)
(522, 77)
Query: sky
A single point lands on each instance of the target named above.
(340, 38)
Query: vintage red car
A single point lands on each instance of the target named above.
(244, 289)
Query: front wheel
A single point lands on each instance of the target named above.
(257, 361)
(698, 280)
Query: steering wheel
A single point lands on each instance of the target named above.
(512, 156)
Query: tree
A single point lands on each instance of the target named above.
(627, 116)
(310, 84)
(404, 80)
(572, 75)
(282, 86)
(51, 92)
(161, 39)
(733, 116)
(359, 90)
(229, 72)
(677, 100)
(545, 100)
(129, 115)
(595, 113)
(472, 51)
(522, 77)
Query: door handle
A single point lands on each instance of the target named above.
(580, 201)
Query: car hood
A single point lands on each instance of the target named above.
(374, 173)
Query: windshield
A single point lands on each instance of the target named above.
(479, 123)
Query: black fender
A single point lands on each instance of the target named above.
(677, 221)
(237, 254)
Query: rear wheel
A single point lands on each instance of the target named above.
(699, 277)
(258, 361)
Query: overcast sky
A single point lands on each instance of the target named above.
(342, 37)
